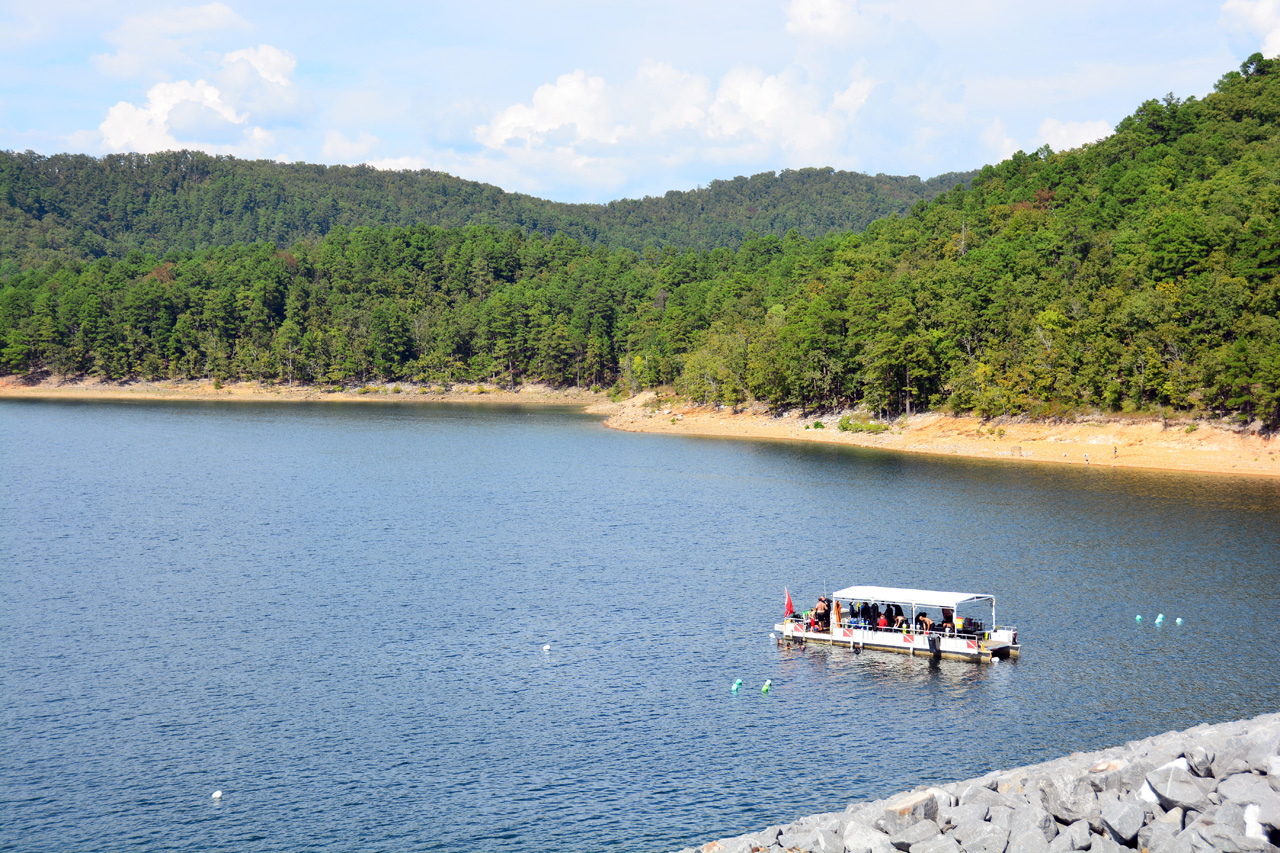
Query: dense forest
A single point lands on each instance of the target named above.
(73, 206)
(1139, 272)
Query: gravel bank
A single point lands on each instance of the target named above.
(1212, 787)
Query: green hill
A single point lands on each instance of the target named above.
(76, 206)
(1140, 272)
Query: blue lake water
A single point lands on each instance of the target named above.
(335, 614)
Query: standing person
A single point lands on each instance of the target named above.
(924, 623)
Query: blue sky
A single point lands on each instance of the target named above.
(579, 101)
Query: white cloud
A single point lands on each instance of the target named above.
(1258, 17)
(152, 43)
(673, 99)
(272, 64)
(995, 136)
(339, 149)
(1064, 135)
(251, 88)
(575, 108)
(821, 18)
(146, 129)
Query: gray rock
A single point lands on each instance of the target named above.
(1103, 844)
(741, 844)
(1231, 757)
(1033, 818)
(938, 844)
(981, 838)
(946, 796)
(1200, 758)
(1273, 772)
(1122, 821)
(914, 834)
(1061, 844)
(859, 838)
(766, 837)
(1079, 833)
(1159, 837)
(1245, 788)
(826, 841)
(1028, 841)
(794, 840)
(1175, 786)
(984, 796)
(1079, 802)
(969, 813)
(1000, 816)
(909, 809)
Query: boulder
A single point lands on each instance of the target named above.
(1070, 804)
(914, 834)
(1103, 844)
(1175, 786)
(1200, 758)
(1246, 788)
(909, 809)
(981, 837)
(1079, 834)
(859, 838)
(1000, 816)
(826, 841)
(1028, 841)
(1122, 821)
(938, 844)
(985, 796)
(1033, 818)
(970, 813)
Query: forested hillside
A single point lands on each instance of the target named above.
(79, 207)
(1139, 272)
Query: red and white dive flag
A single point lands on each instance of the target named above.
(790, 610)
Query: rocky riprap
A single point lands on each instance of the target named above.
(1213, 787)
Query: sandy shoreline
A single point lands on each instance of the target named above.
(1113, 443)
(1199, 447)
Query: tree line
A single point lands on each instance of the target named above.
(1139, 272)
(73, 206)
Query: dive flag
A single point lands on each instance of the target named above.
(790, 610)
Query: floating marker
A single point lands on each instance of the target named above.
(217, 795)
(771, 635)
(1159, 618)
(736, 684)
(1178, 621)
(767, 684)
(547, 647)
(1138, 618)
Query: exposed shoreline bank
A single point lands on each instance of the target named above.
(1211, 787)
(1189, 446)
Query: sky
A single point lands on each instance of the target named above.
(592, 101)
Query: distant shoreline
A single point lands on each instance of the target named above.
(1193, 447)
(1190, 446)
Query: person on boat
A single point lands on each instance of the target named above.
(923, 622)
(864, 613)
(899, 619)
(948, 620)
(883, 621)
(822, 614)
(875, 613)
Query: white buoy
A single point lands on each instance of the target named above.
(771, 637)
(547, 647)
(1178, 621)
(217, 795)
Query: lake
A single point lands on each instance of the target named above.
(336, 614)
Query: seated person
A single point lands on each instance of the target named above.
(923, 622)
(882, 621)
(948, 620)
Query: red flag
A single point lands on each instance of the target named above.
(790, 611)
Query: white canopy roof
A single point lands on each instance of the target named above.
(920, 597)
